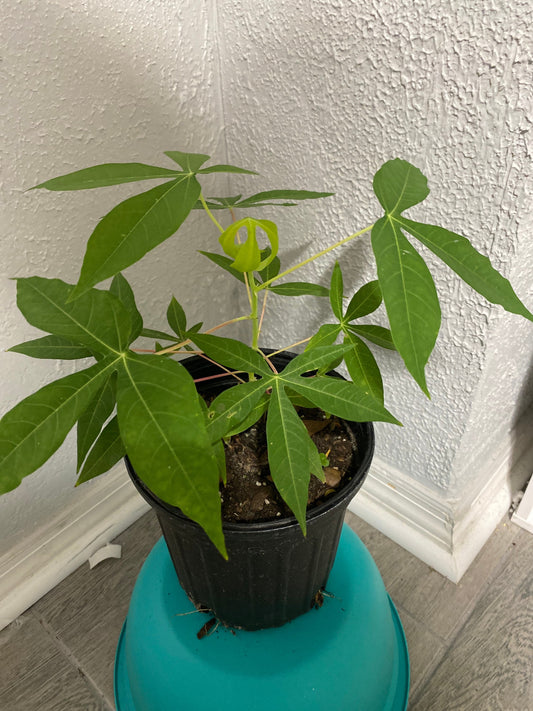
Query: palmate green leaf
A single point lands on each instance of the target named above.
(399, 185)
(375, 334)
(410, 297)
(100, 176)
(226, 169)
(97, 320)
(134, 227)
(190, 162)
(93, 419)
(106, 452)
(194, 329)
(124, 293)
(52, 347)
(272, 268)
(298, 400)
(176, 318)
(287, 439)
(314, 359)
(474, 268)
(232, 354)
(325, 336)
(362, 367)
(299, 288)
(35, 428)
(365, 301)
(232, 406)
(218, 203)
(315, 462)
(257, 411)
(340, 397)
(163, 428)
(151, 333)
(263, 198)
(219, 454)
(336, 292)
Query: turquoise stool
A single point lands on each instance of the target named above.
(349, 655)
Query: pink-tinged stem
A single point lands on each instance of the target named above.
(219, 375)
(227, 371)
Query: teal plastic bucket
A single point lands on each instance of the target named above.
(348, 655)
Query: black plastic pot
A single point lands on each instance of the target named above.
(273, 573)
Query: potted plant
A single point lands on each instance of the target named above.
(181, 424)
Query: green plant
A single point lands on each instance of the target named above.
(173, 439)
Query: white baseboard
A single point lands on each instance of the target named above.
(403, 509)
(444, 536)
(43, 560)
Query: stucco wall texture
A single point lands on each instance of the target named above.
(86, 83)
(317, 95)
(313, 94)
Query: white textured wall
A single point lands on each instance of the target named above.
(314, 94)
(317, 94)
(85, 82)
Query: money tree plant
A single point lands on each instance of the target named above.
(145, 404)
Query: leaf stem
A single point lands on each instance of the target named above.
(313, 257)
(213, 218)
(227, 371)
(298, 343)
(262, 313)
(177, 346)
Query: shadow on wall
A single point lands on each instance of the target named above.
(127, 75)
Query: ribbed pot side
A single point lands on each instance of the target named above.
(273, 573)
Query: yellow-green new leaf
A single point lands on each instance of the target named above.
(163, 428)
(247, 256)
(34, 429)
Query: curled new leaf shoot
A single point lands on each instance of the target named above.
(247, 256)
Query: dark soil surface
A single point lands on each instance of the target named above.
(250, 495)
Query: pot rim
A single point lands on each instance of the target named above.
(359, 467)
(345, 493)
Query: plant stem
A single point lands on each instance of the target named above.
(213, 218)
(262, 312)
(220, 375)
(176, 347)
(255, 318)
(298, 343)
(313, 257)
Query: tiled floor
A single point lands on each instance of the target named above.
(470, 645)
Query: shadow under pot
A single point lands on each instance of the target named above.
(274, 573)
